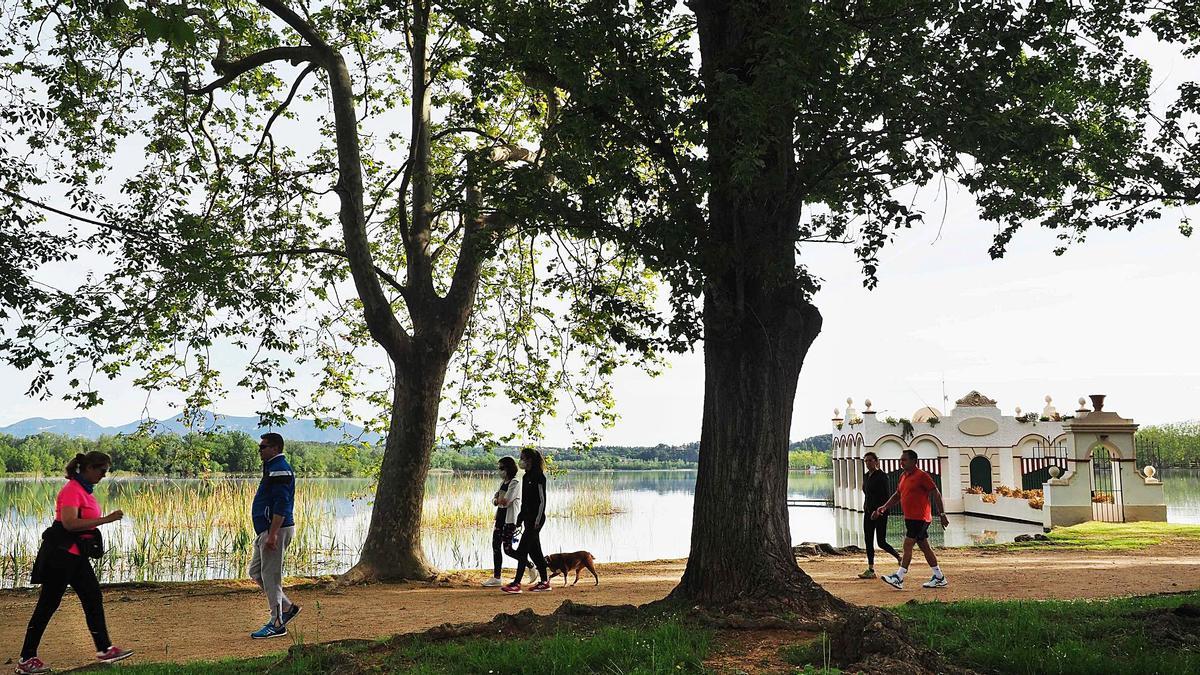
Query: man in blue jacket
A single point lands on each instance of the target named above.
(274, 528)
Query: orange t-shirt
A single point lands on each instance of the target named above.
(914, 492)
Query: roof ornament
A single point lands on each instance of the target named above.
(1049, 412)
(975, 399)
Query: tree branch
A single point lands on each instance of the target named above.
(383, 274)
(232, 70)
(450, 131)
(298, 24)
(283, 106)
(405, 170)
(83, 219)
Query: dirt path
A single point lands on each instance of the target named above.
(210, 620)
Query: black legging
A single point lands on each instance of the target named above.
(502, 538)
(530, 548)
(74, 571)
(876, 529)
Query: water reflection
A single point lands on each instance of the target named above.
(1182, 488)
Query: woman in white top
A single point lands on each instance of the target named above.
(508, 505)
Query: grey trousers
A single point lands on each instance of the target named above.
(266, 569)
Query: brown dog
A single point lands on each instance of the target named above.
(562, 563)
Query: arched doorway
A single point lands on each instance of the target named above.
(981, 473)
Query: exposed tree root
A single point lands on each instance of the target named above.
(364, 573)
(861, 639)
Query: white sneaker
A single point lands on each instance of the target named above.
(936, 582)
(493, 582)
(893, 580)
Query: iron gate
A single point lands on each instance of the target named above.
(1035, 469)
(1106, 488)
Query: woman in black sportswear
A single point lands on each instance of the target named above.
(875, 494)
(531, 519)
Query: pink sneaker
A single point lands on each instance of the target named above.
(541, 587)
(32, 665)
(113, 654)
(511, 588)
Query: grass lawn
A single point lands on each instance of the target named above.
(1097, 536)
(1128, 635)
(1132, 635)
(666, 646)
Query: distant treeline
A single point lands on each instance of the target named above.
(1169, 445)
(237, 452)
(190, 455)
(660, 456)
(801, 455)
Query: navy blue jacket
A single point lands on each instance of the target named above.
(276, 494)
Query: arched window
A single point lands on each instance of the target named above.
(981, 473)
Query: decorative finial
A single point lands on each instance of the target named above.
(849, 401)
(868, 402)
(1018, 411)
(1082, 403)
(836, 412)
(1148, 471)
(1055, 472)
(1048, 399)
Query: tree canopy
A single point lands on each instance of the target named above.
(185, 155)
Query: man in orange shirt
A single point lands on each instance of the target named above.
(913, 493)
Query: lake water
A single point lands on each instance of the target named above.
(191, 529)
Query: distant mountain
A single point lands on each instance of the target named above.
(73, 426)
(295, 430)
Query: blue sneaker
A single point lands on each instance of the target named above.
(269, 631)
(290, 614)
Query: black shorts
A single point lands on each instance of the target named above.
(916, 529)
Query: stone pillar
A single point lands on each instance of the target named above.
(952, 487)
(1142, 494)
(1006, 468)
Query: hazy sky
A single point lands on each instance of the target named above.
(1116, 316)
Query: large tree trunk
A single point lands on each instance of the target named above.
(392, 549)
(741, 549)
(758, 325)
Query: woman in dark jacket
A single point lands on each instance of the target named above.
(532, 517)
(875, 494)
(63, 561)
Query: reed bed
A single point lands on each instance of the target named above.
(201, 529)
(175, 529)
(589, 498)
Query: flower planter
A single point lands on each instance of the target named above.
(1005, 508)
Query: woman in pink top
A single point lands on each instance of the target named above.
(61, 562)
